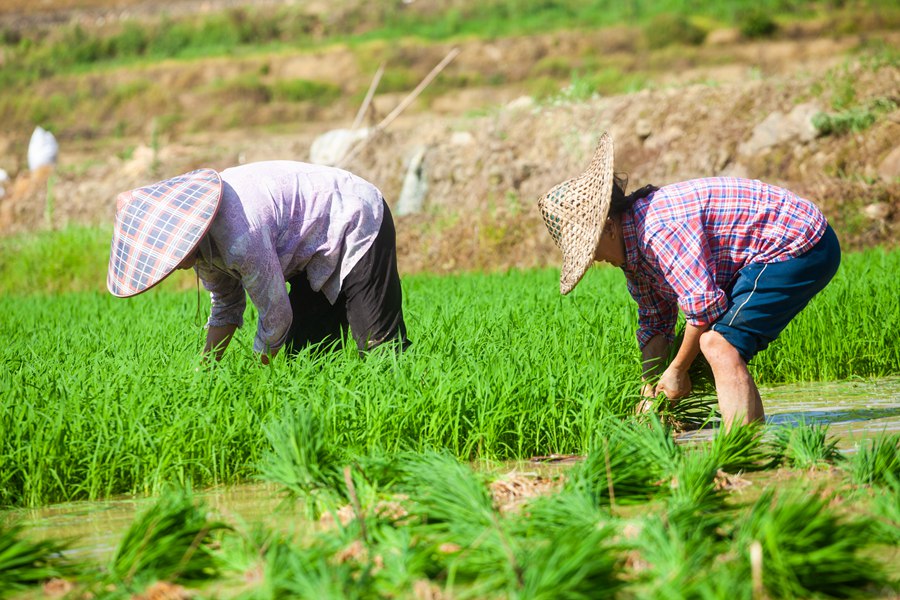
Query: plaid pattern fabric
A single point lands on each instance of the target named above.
(157, 226)
(686, 242)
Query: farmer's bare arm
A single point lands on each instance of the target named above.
(217, 339)
(653, 360)
(675, 381)
(267, 358)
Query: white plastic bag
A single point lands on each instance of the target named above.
(42, 149)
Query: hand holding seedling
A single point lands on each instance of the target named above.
(675, 383)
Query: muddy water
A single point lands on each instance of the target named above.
(853, 411)
(97, 527)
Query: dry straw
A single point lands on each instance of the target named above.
(574, 212)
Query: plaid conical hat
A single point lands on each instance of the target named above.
(575, 211)
(157, 226)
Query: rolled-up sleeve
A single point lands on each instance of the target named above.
(656, 315)
(264, 282)
(227, 298)
(684, 259)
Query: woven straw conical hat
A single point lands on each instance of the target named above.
(157, 227)
(575, 211)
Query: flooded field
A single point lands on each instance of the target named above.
(853, 411)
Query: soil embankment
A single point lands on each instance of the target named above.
(486, 152)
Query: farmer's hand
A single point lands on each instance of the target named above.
(674, 383)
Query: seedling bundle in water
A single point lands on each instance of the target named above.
(425, 523)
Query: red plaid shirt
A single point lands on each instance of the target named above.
(685, 243)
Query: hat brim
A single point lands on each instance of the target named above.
(595, 188)
(157, 227)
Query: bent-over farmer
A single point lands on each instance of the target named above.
(253, 228)
(740, 258)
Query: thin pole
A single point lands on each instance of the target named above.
(368, 98)
(400, 107)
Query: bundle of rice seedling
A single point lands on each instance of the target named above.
(680, 558)
(627, 462)
(876, 460)
(24, 562)
(806, 549)
(739, 448)
(692, 485)
(567, 549)
(805, 446)
(303, 461)
(886, 511)
(455, 510)
(170, 541)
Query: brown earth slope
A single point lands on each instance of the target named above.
(487, 153)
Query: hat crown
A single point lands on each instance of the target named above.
(574, 212)
(157, 226)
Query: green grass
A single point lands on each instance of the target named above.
(227, 32)
(100, 396)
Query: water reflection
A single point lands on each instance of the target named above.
(852, 410)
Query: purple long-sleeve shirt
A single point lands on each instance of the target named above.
(275, 220)
(685, 243)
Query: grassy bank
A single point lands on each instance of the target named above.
(103, 396)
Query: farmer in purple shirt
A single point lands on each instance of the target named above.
(739, 258)
(252, 229)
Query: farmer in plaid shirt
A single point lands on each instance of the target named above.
(740, 258)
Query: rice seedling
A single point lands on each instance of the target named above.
(876, 461)
(303, 461)
(454, 507)
(692, 487)
(24, 562)
(677, 560)
(566, 549)
(805, 447)
(626, 464)
(807, 549)
(170, 541)
(502, 368)
(885, 507)
(740, 448)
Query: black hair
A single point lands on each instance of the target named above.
(622, 202)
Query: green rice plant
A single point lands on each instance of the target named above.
(740, 448)
(876, 461)
(169, 541)
(100, 396)
(626, 463)
(807, 549)
(677, 559)
(25, 563)
(885, 509)
(455, 507)
(303, 461)
(805, 446)
(566, 548)
(692, 487)
(306, 572)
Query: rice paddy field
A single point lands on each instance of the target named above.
(415, 476)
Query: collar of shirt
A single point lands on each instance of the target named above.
(632, 221)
